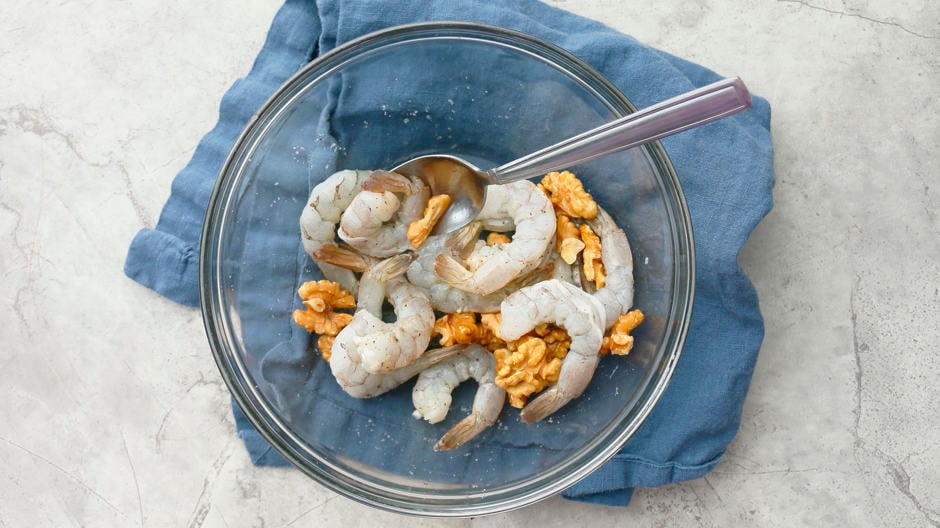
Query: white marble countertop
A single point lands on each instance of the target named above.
(114, 413)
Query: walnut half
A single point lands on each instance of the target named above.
(457, 328)
(567, 239)
(567, 193)
(593, 265)
(419, 230)
(321, 298)
(531, 363)
(620, 342)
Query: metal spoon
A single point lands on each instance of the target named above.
(466, 184)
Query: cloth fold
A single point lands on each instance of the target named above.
(725, 169)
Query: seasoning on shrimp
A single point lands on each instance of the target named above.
(567, 193)
(379, 346)
(593, 265)
(620, 342)
(457, 328)
(568, 239)
(321, 298)
(353, 352)
(419, 230)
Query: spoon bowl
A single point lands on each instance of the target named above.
(463, 181)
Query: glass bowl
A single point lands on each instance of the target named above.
(485, 94)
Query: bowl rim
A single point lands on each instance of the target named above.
(575, 467)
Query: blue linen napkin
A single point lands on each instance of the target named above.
(725, 169)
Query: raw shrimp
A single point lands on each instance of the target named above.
(617, 294)
(432, 394)
(493, 267)
(381, 346)
(321, 214)
(498, 225)
(376, 220)
(571, 308)
(359, 383)
(445, 297)
(562, 270)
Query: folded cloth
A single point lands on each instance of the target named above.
(725, 170)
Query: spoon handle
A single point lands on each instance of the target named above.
(689, 110)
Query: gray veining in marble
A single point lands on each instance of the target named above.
(115, 415)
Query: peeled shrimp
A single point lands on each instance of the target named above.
(318, 220)
(490, 268)
(571, 308)
(445, 297)
(381, 346)
(432, 394)
(376, 220)
(617, 294)
(359, 383)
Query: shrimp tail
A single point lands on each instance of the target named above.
(450, 270)
(544, 405)
(392, 267)
(462, 240)
(385, 181)
(344, 258)
(487, 406)
(462, 432)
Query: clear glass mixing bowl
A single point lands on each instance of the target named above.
(487, 95)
